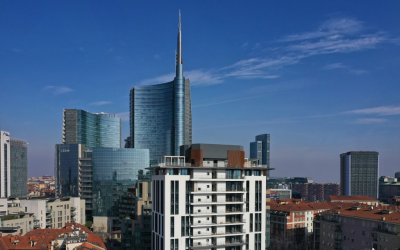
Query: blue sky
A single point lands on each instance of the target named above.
(321, 77)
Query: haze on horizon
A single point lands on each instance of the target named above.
(321, 78)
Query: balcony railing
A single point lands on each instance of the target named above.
(219, 223)
(201, 234)
(208, 190)
(218, 244)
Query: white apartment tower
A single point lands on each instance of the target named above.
(208, 198)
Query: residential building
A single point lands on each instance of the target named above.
(13, 166)
(91, 129)
(71, 236)
(359, 173)
(316, 191)
(389, 187)
(357, 227)
(292, 222)
(354, 199)
(161, 115)
(214, 200)
(260, 149)
(23, 214)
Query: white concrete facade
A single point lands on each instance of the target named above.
(5, 159)
(208, 207)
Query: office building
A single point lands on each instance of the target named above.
(13, 166)
(389, 187)
(135, 211)
(161, 115)
(100, 176)
(208, 198)
(278, 182)
(359, 173)
(260, 149)
(91, 129)
(316, 191)
(357, 227)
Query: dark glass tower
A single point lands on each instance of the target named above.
(19, 167)
(359, 172)
(161, 115)
(260, 149)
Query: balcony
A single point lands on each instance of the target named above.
(73, 208)
(217, 190)
(218, 245)
(213, 177)
(218, 233)
(48, 210)
(197, 202)
(221, 223)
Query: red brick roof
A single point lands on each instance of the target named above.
(289, 205)
(42, 238)
(351, 198)
(376, 213)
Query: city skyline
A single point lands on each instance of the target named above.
(320, 78)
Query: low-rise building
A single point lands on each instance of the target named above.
(72, 236)
(21, 215)
(354, 199)
(292, 222)
(357, 227)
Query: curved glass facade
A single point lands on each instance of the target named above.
(91, 129)
(161, 115)
(114, 170)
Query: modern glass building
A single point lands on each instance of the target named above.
(67, 169)
(91, 129)
(359, 173)
(13, 166)
(19, 167)
(113, 171)
(260, 149)
(161, 115)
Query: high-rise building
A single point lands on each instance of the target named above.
(161, 115)
(260, 149)
(13, 166)
(209, 198)
(359, 173)
(91, 129)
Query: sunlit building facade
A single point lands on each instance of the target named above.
(91, 129)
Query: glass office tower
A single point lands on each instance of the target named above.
(161, 115)
(113, 171)
(91, 129)
(260, 149)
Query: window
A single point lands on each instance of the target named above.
(208, 173)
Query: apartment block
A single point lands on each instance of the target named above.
(292, 222)
(357, 227)
(21, 215)
(208, 198)
(316, 191)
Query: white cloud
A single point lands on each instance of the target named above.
(124, 116)
(100, 103)
(57, 90)
(369, 121)
(334, 66)
(384, 110)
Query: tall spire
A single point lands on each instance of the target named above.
(179, 61)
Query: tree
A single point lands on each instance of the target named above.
(88, 224)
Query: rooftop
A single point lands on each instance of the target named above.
(351, 198)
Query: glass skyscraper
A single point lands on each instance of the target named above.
(91, 129)
(161, 115)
